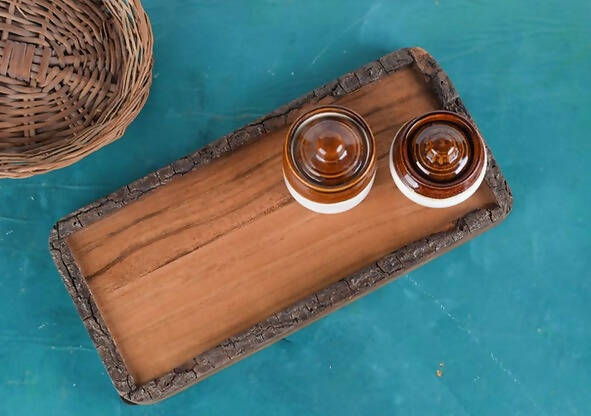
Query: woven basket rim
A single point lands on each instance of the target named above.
(101, 94)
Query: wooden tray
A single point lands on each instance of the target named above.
(209, 259)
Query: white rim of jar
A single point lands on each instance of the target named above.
(332, 208)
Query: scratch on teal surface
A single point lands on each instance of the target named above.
(348, 29)
(444, 309)
(14, 220)
(470, 333)
(515, 379)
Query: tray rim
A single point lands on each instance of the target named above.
(307, 310)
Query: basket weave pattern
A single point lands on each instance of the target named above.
(73, 75)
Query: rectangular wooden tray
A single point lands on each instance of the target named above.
(209, 259)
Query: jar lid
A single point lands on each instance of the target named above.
(329, 153)
(439, 155)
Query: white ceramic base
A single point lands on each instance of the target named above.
(434, 202)
(335, 208)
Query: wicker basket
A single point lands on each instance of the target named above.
(73, 75)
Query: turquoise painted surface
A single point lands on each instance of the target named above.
(509, 314)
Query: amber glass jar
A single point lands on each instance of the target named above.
(438, 159)
(329, 159)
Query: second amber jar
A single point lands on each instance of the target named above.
(329, 159)
(438, 159)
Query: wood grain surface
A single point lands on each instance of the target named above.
(213, 252)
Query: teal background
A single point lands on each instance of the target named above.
(508, 314)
